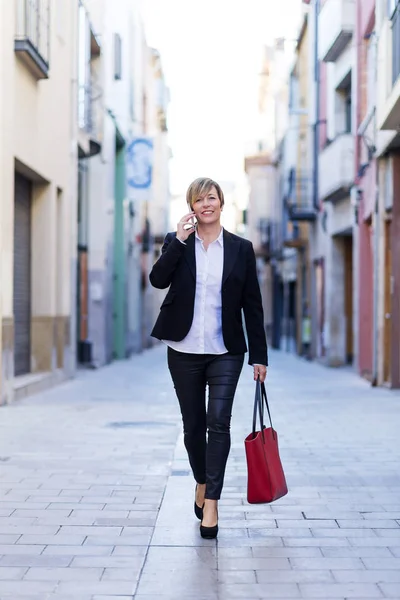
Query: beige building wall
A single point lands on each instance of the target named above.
(37, 131)
(303, 184)
(262, 188)
(261, 178)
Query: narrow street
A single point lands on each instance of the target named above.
(96, 499)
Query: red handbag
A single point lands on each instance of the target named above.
(265, 477)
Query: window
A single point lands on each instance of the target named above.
(343, 107)
(347, 105)
(32, 37)
(117, 56)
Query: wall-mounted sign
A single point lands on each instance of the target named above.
(139, 163)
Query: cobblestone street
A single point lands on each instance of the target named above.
(96, 499)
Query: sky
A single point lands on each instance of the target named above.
(211, 52)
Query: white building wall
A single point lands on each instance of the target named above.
(336, 218)
(122, 109)
(158, 204)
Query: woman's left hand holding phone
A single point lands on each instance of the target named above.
(185, 227)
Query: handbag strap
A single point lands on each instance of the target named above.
(258, 406)
(264, 395)
(259, 399)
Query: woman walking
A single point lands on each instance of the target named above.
(211, 275)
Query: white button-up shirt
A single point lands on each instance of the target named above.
(205, 334)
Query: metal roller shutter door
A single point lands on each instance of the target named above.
(22, 275)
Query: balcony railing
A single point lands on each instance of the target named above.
(299, 200)
(396, 43)
(32, 37)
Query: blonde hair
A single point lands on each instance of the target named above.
(200, 187)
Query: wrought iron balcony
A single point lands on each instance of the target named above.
(299, 201)
(32, 38)
(302, 211)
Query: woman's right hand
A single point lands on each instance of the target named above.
(181, 232)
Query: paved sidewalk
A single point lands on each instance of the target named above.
(96, 498)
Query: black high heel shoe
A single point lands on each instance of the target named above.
(209, 533)
(198, 510)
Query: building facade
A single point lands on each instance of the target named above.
(38, 158)
(297, 203)
(262, 221)
(108, 244)
(80, 91)
(258, 222)
(291, 210)
(334, 259)
(338, 201)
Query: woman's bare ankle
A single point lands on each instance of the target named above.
(210, 513)
(200, 493)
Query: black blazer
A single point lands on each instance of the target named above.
(176, 269)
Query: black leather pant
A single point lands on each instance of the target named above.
(190, 374)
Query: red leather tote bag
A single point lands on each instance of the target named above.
(265, 477)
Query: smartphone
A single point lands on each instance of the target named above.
(188, 225)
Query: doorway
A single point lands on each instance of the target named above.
(22, 274)
(387, 334)
(84, 353)
(119, 287)
(348, 296)
(320, 297)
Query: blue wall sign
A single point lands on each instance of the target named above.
(140, 163)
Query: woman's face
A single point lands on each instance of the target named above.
(207, 208)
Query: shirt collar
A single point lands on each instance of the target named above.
(220, 238)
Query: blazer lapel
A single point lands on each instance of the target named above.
(231, 249)
(190, 254)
